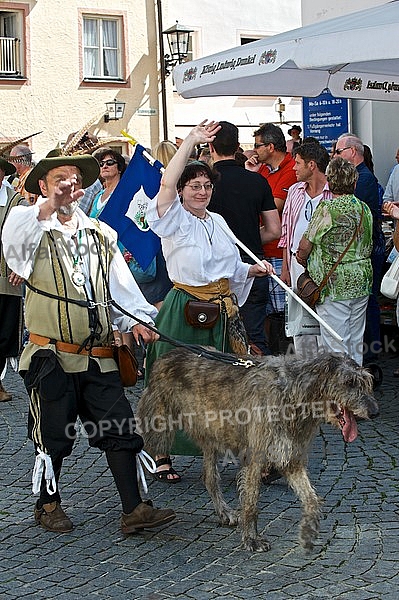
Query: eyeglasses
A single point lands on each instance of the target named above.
(197, 187)
(260, 145)
(109, 162)
(340, 150)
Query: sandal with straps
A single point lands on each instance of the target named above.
(163, 476)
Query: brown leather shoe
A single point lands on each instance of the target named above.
(144, 517)
(52, 517)
(4, 396)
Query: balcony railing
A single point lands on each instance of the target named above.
(10, 57)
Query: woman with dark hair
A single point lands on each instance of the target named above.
(202, 260)
(112, 166)
(295, 141)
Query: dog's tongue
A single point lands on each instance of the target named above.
(349, 430)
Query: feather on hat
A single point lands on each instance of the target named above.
(76, 152)
(5, 150)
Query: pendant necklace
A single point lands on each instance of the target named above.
(78, 277)
(203, 222)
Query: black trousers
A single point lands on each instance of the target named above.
(58, 398)
(253, 313)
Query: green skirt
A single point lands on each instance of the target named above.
(171, 322)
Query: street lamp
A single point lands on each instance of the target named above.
(280, 108)
(178, 38)
(115, 110)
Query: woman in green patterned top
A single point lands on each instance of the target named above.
(343, 301)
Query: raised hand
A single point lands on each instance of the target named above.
(252, 164)
(204, 132)
(65, 193)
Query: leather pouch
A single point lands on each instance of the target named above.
(127, 365)
(203, 315)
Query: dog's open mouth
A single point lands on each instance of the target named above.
(347, 422)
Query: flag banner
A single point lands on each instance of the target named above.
(126, 208)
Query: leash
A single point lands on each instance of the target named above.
(200, 351)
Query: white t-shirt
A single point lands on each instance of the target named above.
(307, 210)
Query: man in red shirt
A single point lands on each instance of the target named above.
(272, 160)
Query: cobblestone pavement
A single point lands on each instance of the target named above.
(356, 557)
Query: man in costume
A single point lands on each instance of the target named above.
(72, 268)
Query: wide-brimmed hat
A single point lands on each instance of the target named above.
(87, 164)
(7, 167)
(297, 128)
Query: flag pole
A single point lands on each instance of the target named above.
(282, 284)
(146, 154)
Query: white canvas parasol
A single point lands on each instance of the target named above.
(354, 56)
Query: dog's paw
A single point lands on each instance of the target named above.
(308, 535)
(256, 544)
(307, 545)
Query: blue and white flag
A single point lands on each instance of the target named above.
(126, 208)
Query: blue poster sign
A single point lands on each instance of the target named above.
(325, 118)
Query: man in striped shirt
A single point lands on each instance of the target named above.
(311, 161)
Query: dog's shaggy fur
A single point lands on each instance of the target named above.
(268, 414)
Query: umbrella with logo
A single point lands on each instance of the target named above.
(354, 56)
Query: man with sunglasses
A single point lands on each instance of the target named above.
(351, 148)
(273, 162)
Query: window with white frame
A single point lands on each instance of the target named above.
(102, 41)
(11, 44)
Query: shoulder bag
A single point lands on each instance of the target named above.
(307, 289)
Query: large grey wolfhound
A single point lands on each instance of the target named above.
(268, 414)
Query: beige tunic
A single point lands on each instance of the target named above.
(61, 320)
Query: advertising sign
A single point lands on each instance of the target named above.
(325, 118)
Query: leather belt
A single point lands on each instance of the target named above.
(96, 351)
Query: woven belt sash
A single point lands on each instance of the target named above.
(96, 351)
(217, 291)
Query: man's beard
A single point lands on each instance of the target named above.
(68, 210)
